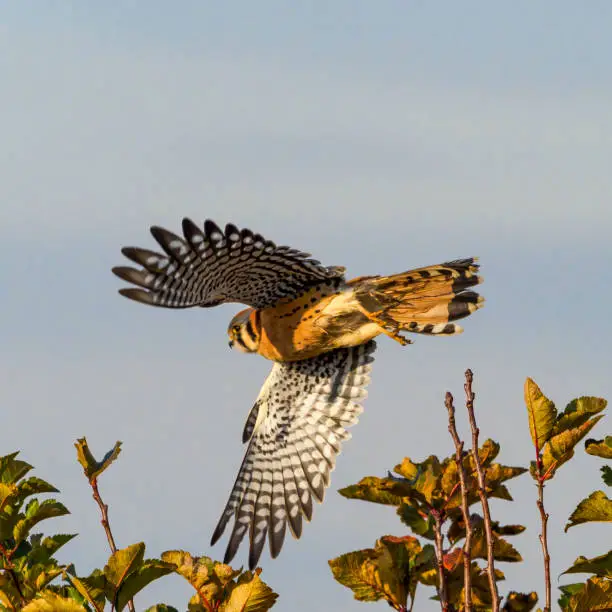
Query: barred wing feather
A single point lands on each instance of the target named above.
(296, 426)
(211, 266)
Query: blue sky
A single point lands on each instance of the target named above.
(380, 136)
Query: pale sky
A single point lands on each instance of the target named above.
(380, 136)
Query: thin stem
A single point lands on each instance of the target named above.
(209, 607)
(465, 511)
(544, 534)
(482, 492)
(439, 546)
(11, 571)
(107, 528)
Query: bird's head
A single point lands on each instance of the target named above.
(244, 331)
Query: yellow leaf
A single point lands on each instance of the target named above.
(407, 469)
(577, 412)
(50, 602)
(595, 508)
(6, 491)
(91, 466)
(541, 412)
(596, 596)
(388, 571)
(250, 594)
(600, 448)
(206, 576)
(122, 562)
(560, 448)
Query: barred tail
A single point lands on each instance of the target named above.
(425, 300)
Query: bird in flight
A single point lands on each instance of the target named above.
(317, 328)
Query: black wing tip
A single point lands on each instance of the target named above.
(129, 251)
(254, 558)
(217, 534)
(137, 295)
(190, 228)
(210, 227)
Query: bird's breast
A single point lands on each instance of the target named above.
(314, 323)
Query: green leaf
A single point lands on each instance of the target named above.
(371, 489)
(606, 474)
(34, 486)
(567, 590)
(122, 563)
(577, 412)
(92, 588)
(541, 412)
(600, 448)
(600, 566)
(520, 602)
(250, 594)
(37, 511)
(595, 596)
(149, 570)
(50, 602)
(595, 508)
(410, 516)
(43, 549)
(51, 544)
(12, 470)
(91, 466)
(161, 608)
(560, 448)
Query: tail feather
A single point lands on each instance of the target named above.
(425, 300)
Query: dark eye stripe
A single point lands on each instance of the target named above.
(251, 331)
(241, 342)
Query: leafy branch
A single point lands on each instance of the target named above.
(93, 469)
(32, 580)
(433, 498)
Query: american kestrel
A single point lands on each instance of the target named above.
(318, 329)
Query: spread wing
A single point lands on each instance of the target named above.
(295, 429)
(210, 267)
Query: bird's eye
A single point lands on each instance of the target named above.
(236, 329)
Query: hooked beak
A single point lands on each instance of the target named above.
(231, 344)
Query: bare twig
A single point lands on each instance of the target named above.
(10, 569)
(439, 546)
(107, 528)
(465, 510)
(482, 492)
(544, 534)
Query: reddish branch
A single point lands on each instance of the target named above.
(465, 511)
(544, 535)
(107, 528)
(482, 492)
(439, 542)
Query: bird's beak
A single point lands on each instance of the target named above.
(231, 344)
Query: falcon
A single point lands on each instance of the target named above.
(317, 328)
